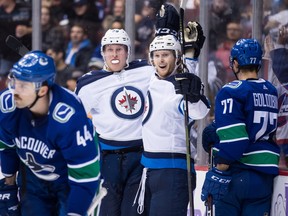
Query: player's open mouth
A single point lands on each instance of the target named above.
(115, 61)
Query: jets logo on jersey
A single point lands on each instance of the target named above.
(7, 102)
(148, 108)
(127, 102)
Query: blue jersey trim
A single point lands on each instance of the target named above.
(112, 144)
(165, 160)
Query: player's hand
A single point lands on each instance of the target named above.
(209, 137)
(167, 20)
(9, 199)
(194, 38)
(216, 184)
(188, 84)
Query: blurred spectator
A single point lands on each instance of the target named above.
(220, 13)
(278, 19)
(79, 49)
(145, 28)
(233, 34)
(15, 19)
(89, 14)
(118, 14)
(72, 79)
(95, 64)
(117, 24)
(51, 31)
(278, 51)
(63, 71)
(60, 9)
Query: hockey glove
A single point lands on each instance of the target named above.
(194, 38)
(9, 199)
(167, 21)
(209, 137)
(215, 184)
(188, 84)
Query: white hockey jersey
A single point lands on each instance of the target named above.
(163, 125)
(116, 103)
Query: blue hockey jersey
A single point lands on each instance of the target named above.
(58, 147)
(246, 120)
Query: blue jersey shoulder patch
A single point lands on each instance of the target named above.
(234, 84)
(63, 112)
(7, 102)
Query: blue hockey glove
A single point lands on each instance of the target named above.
(188, 84)
(209, 137)
(9, 199)
(215, 184)
(167, 21)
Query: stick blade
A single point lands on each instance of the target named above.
(16, 45)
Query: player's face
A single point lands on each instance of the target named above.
(115, 56)
(24, 92)
(164, 62)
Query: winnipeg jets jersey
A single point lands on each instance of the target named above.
(246, 119)
(116, 103)
(163, 127)
(58, 147)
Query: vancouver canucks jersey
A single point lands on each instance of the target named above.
(116, 103)
(163, 127)
(246, 119)
(59, 147)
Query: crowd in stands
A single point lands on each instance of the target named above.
(72, 30)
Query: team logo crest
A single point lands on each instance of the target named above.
(128, 102)
(148, 108)
(32, 59)
(7, 102)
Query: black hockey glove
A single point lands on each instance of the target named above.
(9, 199)
(167, 21)
(209, 137)
(188, 84)
(194, 38)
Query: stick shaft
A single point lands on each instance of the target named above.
(186, 113)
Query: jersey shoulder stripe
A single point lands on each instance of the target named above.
(90, 78)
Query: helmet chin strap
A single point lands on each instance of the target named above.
(236, 72)
(35, 101)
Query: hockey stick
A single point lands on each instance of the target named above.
(186, 114)
(13, 43)
(209, 202)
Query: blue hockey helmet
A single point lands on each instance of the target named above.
(246, 52)
(35, 67)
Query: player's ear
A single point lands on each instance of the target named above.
(43, 90)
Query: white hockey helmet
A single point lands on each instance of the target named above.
(116, 36)
(165, 42)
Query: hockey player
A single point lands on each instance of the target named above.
(246, 158)
(114, 97)
(49, 130)
(164, 179)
